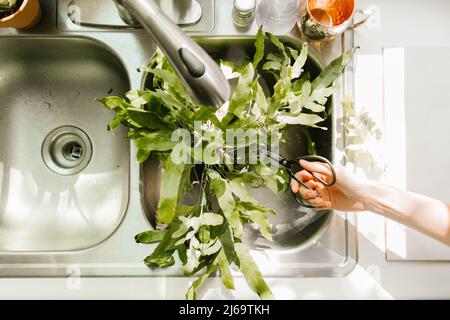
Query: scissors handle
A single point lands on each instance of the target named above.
(322, 160)
(302, 202)
(312, 158)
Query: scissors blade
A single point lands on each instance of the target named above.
(277, 158)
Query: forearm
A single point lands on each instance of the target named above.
(427, 215)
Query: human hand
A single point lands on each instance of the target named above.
(347, 194)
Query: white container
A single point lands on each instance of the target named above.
(277, 16)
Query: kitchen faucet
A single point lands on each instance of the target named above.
(200, 74)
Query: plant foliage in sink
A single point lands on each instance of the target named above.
(207, 235)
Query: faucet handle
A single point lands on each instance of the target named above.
(195, 67)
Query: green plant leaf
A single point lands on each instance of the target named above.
(304, 119)
(251, 272)
(172, 80)
(259, 45)
(226, 202)
(182, 230)
(151, 236)
(258, 213)
(211, 219)
(204, 234)
(183, 210)
(165, 259)
(156, 141)
(297, 68)
(162, 255)
(182, 253)
(276, 42)
(170, 184)
(272, 65)
(264, 225)
(138, 98)
(170, 101)
(227, 241)
(252, 179)
(147, 119)
(269, 177)
(240, 191)
(225, 271)
(192, 291)
(333, 70)
(242, 95)
(142, 155)
(114, 103)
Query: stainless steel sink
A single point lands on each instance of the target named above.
(63, 177)
(64, 211)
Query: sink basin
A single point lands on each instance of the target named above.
(304, 241)
(64, 179)
(71, 201)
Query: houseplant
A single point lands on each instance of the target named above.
(19, 14)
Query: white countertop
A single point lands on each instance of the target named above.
(398, 23)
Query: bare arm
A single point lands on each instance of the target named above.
(427, 215)
(424, 214)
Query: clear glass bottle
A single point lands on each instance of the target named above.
(244, 12)
(277, 16)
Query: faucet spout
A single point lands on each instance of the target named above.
(200, 74)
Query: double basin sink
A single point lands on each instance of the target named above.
(71, 192)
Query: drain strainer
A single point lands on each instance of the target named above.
(67, 150)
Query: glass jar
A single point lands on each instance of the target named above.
(277, 16)
(244, 12)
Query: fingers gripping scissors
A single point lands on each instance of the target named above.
(293, 167)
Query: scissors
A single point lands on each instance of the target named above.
(293, 167)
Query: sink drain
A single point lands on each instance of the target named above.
(67, 150)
